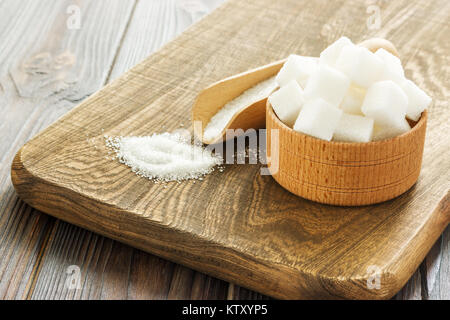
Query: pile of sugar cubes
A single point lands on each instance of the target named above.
(348, 94)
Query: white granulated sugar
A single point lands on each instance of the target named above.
(164, 157)
(224, 115)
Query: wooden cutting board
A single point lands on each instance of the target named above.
(238, 225)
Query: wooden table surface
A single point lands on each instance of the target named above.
(39, 40)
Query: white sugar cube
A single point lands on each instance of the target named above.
(386, 103)
(297, 68)
(354, 128)
(360, 65)
(287, 102)
(318, 118)
(386, 132)
(418, 100)
(353, 100)
(331, 54)
(392, 69)
(327, 83)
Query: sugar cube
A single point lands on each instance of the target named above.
(287, 102)
(353, 100)
(327, 83)
(318, 118)
(386, 132)
(418, 100)
(360, 65)
(297, 68)
(392, 69)
(331, 54)
(386, 103)
(354, 128)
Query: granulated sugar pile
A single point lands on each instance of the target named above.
(224, 115)
(164, 157)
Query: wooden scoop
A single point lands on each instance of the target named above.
(214, 97)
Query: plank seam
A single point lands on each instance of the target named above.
(122, 39)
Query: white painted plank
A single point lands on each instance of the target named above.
(45, 68)
(40, 70)
(154, 23)
(438, 268)
(413, 288)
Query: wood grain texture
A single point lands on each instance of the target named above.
(154, 23)
(437, 269)
(34, 260)
(134, 210)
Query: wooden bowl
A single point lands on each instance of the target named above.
(343, 173)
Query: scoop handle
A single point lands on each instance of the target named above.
(373, 44)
